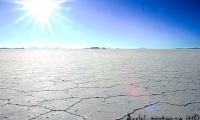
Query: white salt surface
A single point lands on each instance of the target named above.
(99, 84)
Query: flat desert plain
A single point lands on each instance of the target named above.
(99, 84)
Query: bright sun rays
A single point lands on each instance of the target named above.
(42, 11)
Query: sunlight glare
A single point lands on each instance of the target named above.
(43, 12)
(41, 9)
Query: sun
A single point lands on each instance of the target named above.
(47, 14)
(42, 13)
(41, 9)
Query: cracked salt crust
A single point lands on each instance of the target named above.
(96, 84)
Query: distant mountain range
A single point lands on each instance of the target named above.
(142, 48)
(189, 48)
(45, 48)
(96, 48)
(11, 48)
(89, 48)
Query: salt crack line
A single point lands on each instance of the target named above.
(137, 110)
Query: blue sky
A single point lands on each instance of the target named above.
(103, 23)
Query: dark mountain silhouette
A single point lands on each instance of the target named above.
(142, 48)
(189, 48)
(95, 48)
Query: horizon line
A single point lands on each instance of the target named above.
(141, 48)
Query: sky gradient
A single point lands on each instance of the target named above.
(103, 23)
